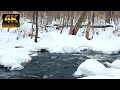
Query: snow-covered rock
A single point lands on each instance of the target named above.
(93, 69)
(115, 64)
(90, 67)
(13, 57)
(107, 64)
(16, 67)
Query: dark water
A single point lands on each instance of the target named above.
(54, 66)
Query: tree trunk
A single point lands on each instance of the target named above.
(93, 16)
(63, 24)
(78, 24)
(105, 20)
(46, 23)
(33, 24)
(36, 35)
(8, 30)
(88, 26)
(71, 28)
(67, 18)
(71, 23)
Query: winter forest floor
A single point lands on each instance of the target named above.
(106, 42)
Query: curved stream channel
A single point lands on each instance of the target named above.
(54, 66)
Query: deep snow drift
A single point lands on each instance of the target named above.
(12, 57)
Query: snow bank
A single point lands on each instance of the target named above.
(91, 68)
(60, 43)
(115, 64)
(13, 57)
(64, 43)
(105, 42)
(97, 77)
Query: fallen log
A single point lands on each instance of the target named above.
(102, 26)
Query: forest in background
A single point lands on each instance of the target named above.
(72, 19)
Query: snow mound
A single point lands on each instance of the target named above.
(16, 67)
(90, 67)
(115, 64)
(113, 72)
(97, 77)
(12, 58)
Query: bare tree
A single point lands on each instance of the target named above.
(71, 23)
(33, 24)
(67, 18)
(88, 25)
(36, 35)
(63, 22)
(93, 17)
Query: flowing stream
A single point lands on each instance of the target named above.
(55, 66)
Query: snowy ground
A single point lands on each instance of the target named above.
(12, 57)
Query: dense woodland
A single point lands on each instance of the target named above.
(71, 19)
